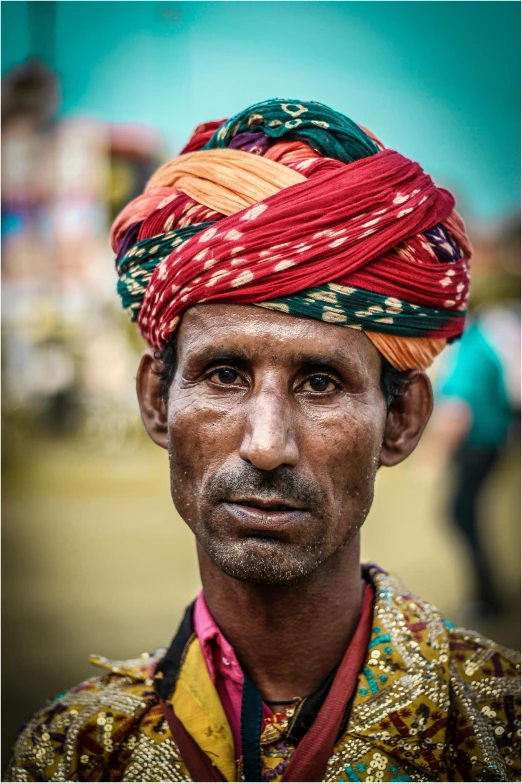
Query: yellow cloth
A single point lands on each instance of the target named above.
(196, 702)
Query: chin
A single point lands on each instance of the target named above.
(260, 560)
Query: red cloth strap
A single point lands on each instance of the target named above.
(201, 134)
(197, 762)
(311, 756)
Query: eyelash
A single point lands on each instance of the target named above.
(215, 370)
(322, 374)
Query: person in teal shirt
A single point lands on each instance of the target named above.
(479, 397)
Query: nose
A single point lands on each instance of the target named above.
(269, 439)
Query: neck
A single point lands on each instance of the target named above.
(288, 638)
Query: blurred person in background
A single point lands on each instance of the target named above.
(63, 180)
(478, 411)
(293, 663)
(51, 225)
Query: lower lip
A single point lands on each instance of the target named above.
(264, 519)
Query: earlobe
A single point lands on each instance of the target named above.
(406, 420)
(152, 408)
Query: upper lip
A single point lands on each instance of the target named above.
(270, 504)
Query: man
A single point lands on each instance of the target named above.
(243, 263)
(477, 416)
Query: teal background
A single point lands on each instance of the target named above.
(440, 81)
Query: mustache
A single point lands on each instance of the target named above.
(284, 483)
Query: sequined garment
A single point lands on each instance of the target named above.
(433, 703)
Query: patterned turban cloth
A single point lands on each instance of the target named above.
(293, 207)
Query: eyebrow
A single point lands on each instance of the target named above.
(337, 357)
(219, 354)
(228, 354)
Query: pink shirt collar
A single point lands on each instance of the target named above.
(213, 642)
(224, 668)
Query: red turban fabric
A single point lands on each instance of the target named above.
(371, 244)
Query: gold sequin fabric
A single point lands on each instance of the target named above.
(433, 703)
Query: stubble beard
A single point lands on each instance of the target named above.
(261, 560)
(267, 560)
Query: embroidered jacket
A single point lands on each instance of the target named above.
(433, 703)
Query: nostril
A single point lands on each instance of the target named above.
(267, 458)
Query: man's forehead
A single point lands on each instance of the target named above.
(249, 328)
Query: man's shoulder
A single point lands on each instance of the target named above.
(484, 718)
(475, 657)
(444, 699)
(488, 675)
(471, 657)
(76, 732)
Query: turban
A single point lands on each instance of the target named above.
(293, 207)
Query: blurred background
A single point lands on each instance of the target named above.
(95, 95)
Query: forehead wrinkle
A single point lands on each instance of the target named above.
(273, 337)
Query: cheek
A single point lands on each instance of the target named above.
(347, 450)
(200, 439)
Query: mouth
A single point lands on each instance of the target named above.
(272, 504)
(264, 515)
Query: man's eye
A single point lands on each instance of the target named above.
(226, 376)
(319, 383)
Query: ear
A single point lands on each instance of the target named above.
(152, 408)
(406, 420)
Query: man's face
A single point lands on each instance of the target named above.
(274, 427)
